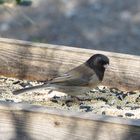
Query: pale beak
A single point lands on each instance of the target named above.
(106, 66)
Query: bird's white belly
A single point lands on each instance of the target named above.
(70, 90)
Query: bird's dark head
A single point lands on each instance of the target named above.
(98, 61)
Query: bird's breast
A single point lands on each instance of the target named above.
(94, 81)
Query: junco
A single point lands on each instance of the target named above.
(78, 80)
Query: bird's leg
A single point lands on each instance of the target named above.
(76, 99)
(80, 99)
(50, 91)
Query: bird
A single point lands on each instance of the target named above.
(76, 81)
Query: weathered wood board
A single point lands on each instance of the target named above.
(28, 122)
(36, 61)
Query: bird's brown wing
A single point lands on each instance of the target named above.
(79, 76)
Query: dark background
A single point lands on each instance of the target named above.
(110, 25)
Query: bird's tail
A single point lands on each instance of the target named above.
(38, 87)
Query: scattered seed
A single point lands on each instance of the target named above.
(103, 113)
(120, 115)
(129, 114)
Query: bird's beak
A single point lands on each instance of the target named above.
(106, 66)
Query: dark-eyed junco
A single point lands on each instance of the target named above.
(78, 80)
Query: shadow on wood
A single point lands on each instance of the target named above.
(22, 121)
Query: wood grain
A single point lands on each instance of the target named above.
(22, 121)
(36, 61)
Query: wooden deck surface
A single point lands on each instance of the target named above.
(22, 121)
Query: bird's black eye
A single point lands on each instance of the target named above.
(103, 62)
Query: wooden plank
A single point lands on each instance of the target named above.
(36, 61)
(22, 121)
